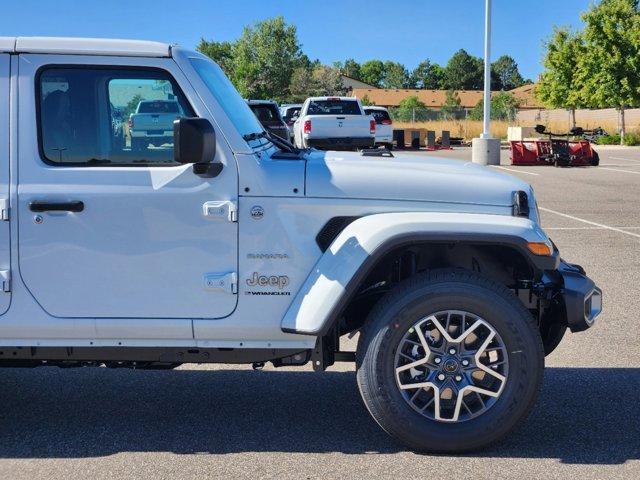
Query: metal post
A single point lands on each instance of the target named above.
(486, 133)
(486, 150)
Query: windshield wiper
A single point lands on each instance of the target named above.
(279, 142)
(254, 136)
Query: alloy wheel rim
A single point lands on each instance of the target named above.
(451, 366)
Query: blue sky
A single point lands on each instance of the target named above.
(402, 30)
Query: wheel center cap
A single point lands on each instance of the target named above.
(450, 366)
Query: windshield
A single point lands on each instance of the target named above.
(227, 96)
(333, 107)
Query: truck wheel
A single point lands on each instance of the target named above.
(449, 361)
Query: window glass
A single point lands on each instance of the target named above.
(266, 112)
(380, 116)
(227, 96)
(103, 116)
(291, 112)
(333, 107)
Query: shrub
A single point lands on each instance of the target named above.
(632, 139)
(609, 140)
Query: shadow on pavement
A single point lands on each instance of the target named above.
(585, 415)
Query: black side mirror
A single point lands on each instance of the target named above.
(194, 140)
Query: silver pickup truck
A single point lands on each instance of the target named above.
(152, 123)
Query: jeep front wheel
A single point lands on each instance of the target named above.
(449, 361)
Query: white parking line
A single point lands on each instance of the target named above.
(627, 159)
(587, 228)
(514, 170)
(588, 222)
(618, 170)
(625, 165)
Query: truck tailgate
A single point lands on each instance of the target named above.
(339, 126)
(153, 121)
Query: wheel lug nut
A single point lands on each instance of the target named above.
(452, 351)
(437, 359)
(441, 377)
(465, 362)
(458, 378)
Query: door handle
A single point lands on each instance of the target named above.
(37, 206)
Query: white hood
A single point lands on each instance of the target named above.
(351, 175)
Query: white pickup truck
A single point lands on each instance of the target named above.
(334, 123)
(231, 245)
(152, 123)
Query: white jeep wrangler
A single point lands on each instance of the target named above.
(231, 245)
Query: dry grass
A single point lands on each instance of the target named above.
(466, 129)
(469, 129)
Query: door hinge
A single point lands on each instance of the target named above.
(224, 209)
(4, 209)
(5, 278)
(227, 282)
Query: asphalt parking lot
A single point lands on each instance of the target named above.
(219, 421)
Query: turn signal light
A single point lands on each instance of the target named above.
(540, 248)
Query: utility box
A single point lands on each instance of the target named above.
(431, 140)
(517, 134)
(445, 139)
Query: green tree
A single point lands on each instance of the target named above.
(410, 109)
(560, 85)
(463, 72)
(610, 72)
(451, 108)
(264, 59)
(427, 76)
(506, 73)
(395, 75)
(132, 105)
(220, 52)
(327, 81)
(301, 84)
(316, 81)
(504, 106)
(366, 101)
(350, 68)
(372, 72)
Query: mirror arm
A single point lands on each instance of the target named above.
(207, 170)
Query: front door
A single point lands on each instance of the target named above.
(109, 225)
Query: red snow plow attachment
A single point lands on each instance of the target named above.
(554, 151)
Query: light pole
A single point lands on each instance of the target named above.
(486, 150)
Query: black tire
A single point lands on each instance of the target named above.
(423, 295)
(595, 160)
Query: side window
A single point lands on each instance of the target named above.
(108, 116)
